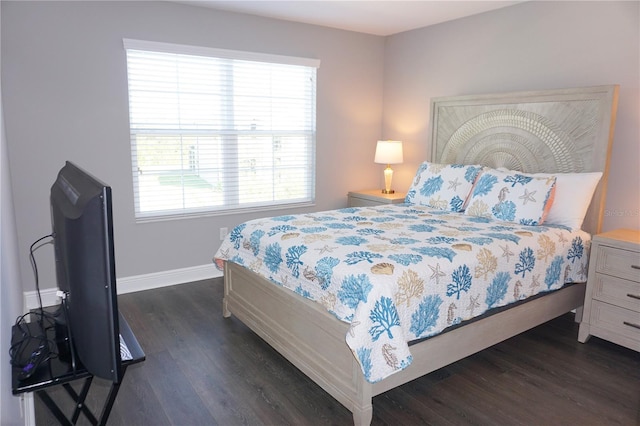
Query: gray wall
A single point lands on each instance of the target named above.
(65, 98)
(529, 46)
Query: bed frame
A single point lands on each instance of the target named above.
(545, 131)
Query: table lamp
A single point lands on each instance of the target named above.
(388, 152)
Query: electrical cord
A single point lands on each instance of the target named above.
(35, 269)
(32, 348)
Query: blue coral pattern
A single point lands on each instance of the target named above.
(398, 273)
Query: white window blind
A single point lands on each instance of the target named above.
(216, 130)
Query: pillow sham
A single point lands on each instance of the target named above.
(442, 186)
(574, 192)
(512, 197)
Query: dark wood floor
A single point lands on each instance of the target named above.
(203, 369)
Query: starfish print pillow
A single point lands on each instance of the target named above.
(512, 197)
(442, 186)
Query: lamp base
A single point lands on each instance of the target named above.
(388, 175)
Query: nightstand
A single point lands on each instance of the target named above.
(374, 197)
(612, 299)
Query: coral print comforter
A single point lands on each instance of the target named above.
(398, 273)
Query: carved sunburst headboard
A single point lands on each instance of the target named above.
(554, 131)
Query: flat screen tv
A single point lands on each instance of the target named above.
(85, 269)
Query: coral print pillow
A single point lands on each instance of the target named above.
(512, 197)
(442, 186)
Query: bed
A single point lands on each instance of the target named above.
(560, 132)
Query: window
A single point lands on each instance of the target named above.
(217, 130)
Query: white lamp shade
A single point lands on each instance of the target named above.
(388, 152)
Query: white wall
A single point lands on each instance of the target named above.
(10, 288)
(10, 284)
(529, 46)
(65, 98)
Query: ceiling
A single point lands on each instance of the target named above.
(378, 17)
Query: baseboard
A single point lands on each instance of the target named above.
(167, 278)
(134, 283)
(48, 296)
(29, 409)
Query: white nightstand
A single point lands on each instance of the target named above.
(374, 197)
(612, 299)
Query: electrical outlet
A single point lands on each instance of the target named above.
(223, 233)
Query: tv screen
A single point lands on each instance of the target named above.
(85, 269)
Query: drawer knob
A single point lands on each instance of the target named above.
(630, 324)
(633, 296)
(635, 266)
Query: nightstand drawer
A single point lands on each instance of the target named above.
(621, 321)
(362, 202)
(617, 291)
(374, 197)
(619, 263)
(612, 300)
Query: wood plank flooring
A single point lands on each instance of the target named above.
(203, 369)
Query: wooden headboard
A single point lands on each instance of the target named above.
(553, 131)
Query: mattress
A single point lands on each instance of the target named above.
(398, 273)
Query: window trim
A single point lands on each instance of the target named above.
(156, 46)
(162, 47)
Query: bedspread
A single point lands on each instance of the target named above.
(398, 273)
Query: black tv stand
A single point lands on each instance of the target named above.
(59, 371)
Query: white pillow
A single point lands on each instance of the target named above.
(512, 197)
(574, 192)
(442, 186)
